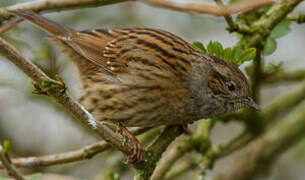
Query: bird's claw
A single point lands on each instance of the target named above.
(137, 154)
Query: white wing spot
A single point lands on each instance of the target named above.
(91, 119)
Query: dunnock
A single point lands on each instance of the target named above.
(147, 77)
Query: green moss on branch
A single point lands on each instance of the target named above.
(268, 21)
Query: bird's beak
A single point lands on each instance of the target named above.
(250, 103)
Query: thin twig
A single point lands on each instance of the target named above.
(174, 154)
(54, 5)
(86, 152)
(154, 152)
(232, 25)
(206, 8)
(297, 17)
(11, 170)
(284, 76)
(180, 168)
(197, 141)
(9, 25)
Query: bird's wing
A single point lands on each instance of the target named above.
(90, 44)
(107, 49)
(120, 49)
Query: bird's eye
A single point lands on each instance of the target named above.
(231, 86)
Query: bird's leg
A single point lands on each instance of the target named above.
(186, 130)
(137, 147)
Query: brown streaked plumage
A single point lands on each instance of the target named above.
(147, 77)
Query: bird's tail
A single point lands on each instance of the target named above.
(42, 22)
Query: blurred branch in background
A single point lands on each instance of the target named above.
(258, 155)
(203, 8)
(270, 114)
(9, 25)
(7, 164)
(206, 8)
(86, 152)
(263, 26)
(199, 141)
(153, 153)
(297, 17)
(54, 5)
(284, 76)
(232, 25)
(181, 167)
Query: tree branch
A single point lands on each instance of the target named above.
(232, 25)
(9, 25)
(283, 104)
(11, 170)
(284, 76)
(183, 166)
(54, 5)
(256, 76)
(263, 26)
(297, 17)
(145, 168)
(259, 154)
(198, 141)
(205, 8)
(86, 152)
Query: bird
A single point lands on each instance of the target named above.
(143, 77)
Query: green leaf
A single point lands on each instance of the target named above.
(235, 54)
(247, 55)
(218, 49)
(199, 46)
(281, 29)
(227, 54)
(210, 48)
(215, 48)
(35, 177)
(270, 46)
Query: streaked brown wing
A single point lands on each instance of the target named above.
(105, 48)
(91, 45)
(117, 48)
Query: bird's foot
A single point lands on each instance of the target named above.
(137, 153)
